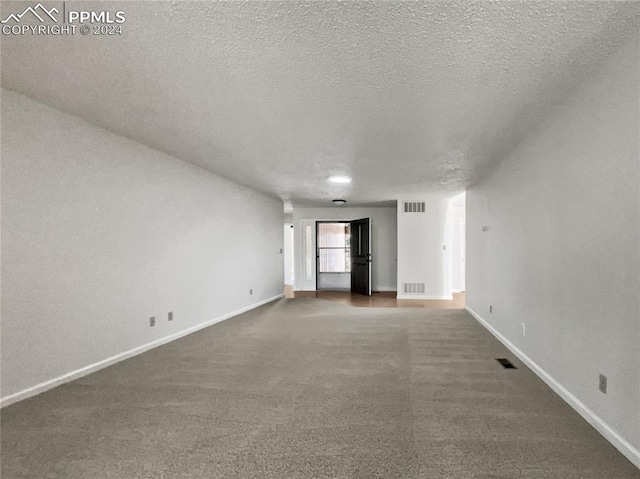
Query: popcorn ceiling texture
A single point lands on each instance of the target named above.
(403, 96)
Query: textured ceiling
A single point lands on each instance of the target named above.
(403, 96)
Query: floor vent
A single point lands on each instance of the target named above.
(506, 363)
(413, 206)
(413, 288)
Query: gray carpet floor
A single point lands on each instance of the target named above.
(305, 388)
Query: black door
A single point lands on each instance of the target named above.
(361, 256)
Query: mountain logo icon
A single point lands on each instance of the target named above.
(16, 17)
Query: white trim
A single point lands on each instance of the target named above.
(78, 373)
(456, 291)
(422, 297)
(619, 442)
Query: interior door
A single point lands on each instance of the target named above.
(361, 256)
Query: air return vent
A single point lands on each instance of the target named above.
(413, 206)
(506, 363)
(413, 288)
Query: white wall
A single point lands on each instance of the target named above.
(421, 237)
(384, 235)
(99, 233)
(561, 252)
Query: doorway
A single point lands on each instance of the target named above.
(326, 260)
(343, 256)
(333, 256)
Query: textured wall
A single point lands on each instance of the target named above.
(100, 232)
(561, 249)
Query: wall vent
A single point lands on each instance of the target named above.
(413, 288)
(413, 206)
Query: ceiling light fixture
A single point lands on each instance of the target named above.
(339, 202)
(340, 179)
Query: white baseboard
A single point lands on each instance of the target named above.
(78, 373)
(422, 296)
(619, 442)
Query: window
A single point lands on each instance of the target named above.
(334, 249)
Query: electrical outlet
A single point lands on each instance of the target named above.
(524, 329)
(251, 291)
(152, 321)
(491, 308)
(170, 316)
(603, 384)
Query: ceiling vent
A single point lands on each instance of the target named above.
(413, 288)
(413, 206)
